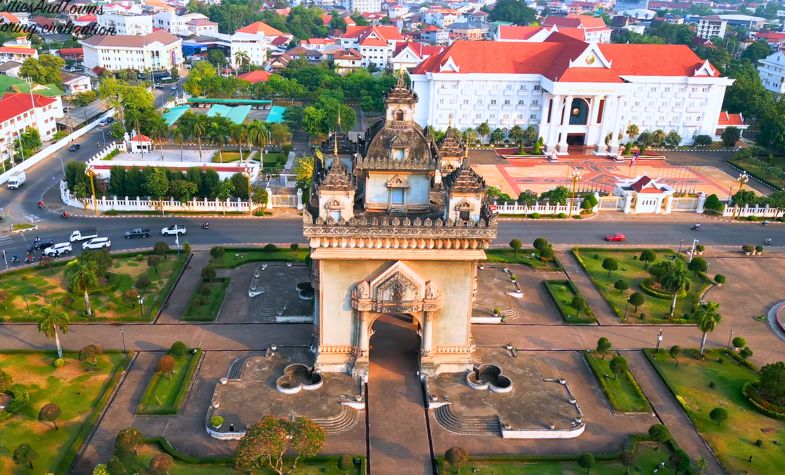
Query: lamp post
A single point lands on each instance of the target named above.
(247, 174)
(27, 304)
(659, 342)
(91, 173)
(742, 179)
(62, 165)
(575, 176)
(626, 306)
(730, 339)
(680, 244)
(692, 252)
(141, 307)
(122, 335)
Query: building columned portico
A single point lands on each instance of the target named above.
(582, 121)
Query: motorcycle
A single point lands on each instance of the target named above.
(764, 223)
(695, 227)
(29, 259)
(205, 225)
(41, 204)
(767, 242)
(65, 215)
(14, 259)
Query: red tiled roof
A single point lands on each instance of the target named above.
(642, 183)
(420, 49)
(16, 50)
(87, 19)
(386, 32)
(280, 40)
(43, 21)
(202, 22)
(575, 21)
(727, 120)
(771, 35)
(255, 76)
(14, 104)
(430, 28)
(71, 52)
(132, 41)
(140, 138)
(9, 17)
(514, 32)
(326, 19)
(260, 27)
(350, 54)
(373, 42)
(552, 59)
(577, 33)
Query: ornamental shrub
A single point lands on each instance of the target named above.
(178, 349)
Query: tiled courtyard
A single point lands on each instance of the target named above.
(494, 286)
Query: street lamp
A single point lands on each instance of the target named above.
(659, 342)
(692, 252)
(576, 177)
(27, 304)
(680, 243)
(742, 179)
(247, 174)
(91, 173)
(625, 309)
(122, 335)
(141, 307)
(730, 339)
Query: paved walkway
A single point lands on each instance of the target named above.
(669, 412)
(398, 434)
(602, 311)
(179, 300)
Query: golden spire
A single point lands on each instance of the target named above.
(335, 143)
(401, 83)
(449, 122)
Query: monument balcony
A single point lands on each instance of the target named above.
(387, 163)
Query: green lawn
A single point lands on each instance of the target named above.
(228, 156)
(646, 460)
(166, 394)
(525, 256)
(562, 292)
(22, 226)
(321, 465)
(203, 307)
(773, 173)
(273, 159)
(30, 288)
(633, 271)
(237, 257)
(734, 440)
(81, 390)
(622, 392)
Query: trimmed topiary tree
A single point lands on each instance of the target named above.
(637, 300)
(128, 440)
(719, 279)
(772, 383)
(516, 245)
(647, 256)
(160, 464)
(738, 342)
(675, 352)
(659, 434)
(587, 461)
(603, 346)
(208, 273)
(618, 365)
(541, 243)
(621, 285)
(165, 365)
(610, 264)
(718, 415)
(178, 349)
(457, 457)
(50, 413)
(698, 265)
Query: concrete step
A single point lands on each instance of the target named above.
(345, 421)
(467, 425)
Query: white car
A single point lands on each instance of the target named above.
(58, 249)
(173, 230)
(97, 243)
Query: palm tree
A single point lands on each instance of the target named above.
(632, 131)
(242, 59)
(259, 135)
(198, 129)
(675, 279)
(82, 277)
(51, 319)
(239, 135)
(217, 137)
(708, 317)
(179, 136)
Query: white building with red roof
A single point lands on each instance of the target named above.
(726, 120)
(409, 54)
(645, 195)
(594, 29)
(254, 41)
(575, 93)
(21, 111)
(376, 44)
(17, 51)
(127, 23)
(155, 51)
(185, 25)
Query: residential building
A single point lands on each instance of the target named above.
(579, 7)
(318, 44)
(771, 70)
(22, 111)
(435, 35)
(127, 24)
(710, 26)
(376, 44)
(752, 23)
(362, 6)
(441, 16)
(478, 16)
(18, 51)
(775, 39)
(471, 31)
(254, 40)
(346, 61)
(185, 25)
(576, 93)
(11, 69)
(594, 29)
(397, 10)
(156, 51)
(410, 54)
(75, 83)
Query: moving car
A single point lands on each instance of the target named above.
(174, 88)
(83, 234)
(74, 147)
(97, 243)
(615, 237)
(16, 180)
(173, 230)
(58, 249)
(40, 244)
(137, 233)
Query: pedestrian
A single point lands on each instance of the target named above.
(231, 429)
(750, 460)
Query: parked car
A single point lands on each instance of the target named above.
(173, 230)
(137, 233)
(97, 243)
(74, 147)
(174, 88)
(615, 237)
(40, 245)
(58, 249)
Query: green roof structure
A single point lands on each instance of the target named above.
(10, 84)
(234, 102)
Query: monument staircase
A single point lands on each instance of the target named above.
(345, 421)
(467, 425)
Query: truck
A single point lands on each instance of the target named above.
(137, 233)
(16, 180)
(84, 234)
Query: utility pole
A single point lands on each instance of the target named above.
(575, 176)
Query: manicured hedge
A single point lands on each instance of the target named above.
(182, 392)
(588, 314)
(611, 395)
(772, 410)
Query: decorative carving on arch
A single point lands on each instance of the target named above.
(333, 204)
(398, 181)
(397, 289)
(463, 205)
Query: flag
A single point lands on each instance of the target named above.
(634, 158)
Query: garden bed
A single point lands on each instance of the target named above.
(234, 257)
(633, 271)
(205, 304)
(80, 389)
(623, 392)
(165, 395)
(562, 292)
(734, 440)
(274, 160)
(770, 174)
(527, 257)
(230, 156)
(30, 288)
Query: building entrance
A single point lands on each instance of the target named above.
(576, 140)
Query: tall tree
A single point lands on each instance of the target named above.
(51, 320)
(24, 455)
(179, 136)
(672, 276)
(513, 11)
(82, 277)
(50, 413)
(266, 442)
(708, 317)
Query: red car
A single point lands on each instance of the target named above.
(615, 237)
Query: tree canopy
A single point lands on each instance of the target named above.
(513, 11)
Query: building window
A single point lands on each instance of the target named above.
(396, 196)
(493, 102)
(536, 88)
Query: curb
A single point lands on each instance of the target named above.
(19, 231)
